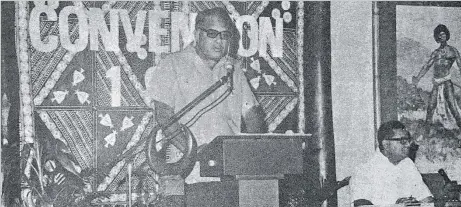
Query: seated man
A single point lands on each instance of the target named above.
(389, 176)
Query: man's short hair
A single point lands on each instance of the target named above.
(219, 12)
(441, 28)
(385, 131)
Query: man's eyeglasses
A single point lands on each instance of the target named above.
(211, 33)
(402, 140)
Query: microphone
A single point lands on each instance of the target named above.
(230, 75)
(444, 175)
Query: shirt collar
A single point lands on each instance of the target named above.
(381, 157)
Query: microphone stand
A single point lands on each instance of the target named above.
(177, 116)
(173, 119)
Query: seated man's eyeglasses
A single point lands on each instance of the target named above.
(403, 140)
(211, 33)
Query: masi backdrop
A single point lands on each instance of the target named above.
(80, 108)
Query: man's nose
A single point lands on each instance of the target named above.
(218, 38)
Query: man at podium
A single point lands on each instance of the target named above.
(181, 77)
(389, 176)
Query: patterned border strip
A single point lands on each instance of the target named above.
(119, 166)
(112, 174)
(119, 172)
(300, 31)
(21, 121)
(119, 182)
(137, 134)
(283, 114)
(279, 72)
(134, 80)
(51, 126)
(27, 125)
(260, 9)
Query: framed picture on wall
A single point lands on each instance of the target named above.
(420, 78)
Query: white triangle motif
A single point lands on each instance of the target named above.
(59, 96)
(78, 77)
(127, 123)
(106, 120)
(110, 139)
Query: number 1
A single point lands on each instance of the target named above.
(115, 91)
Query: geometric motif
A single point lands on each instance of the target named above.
(76, 129)
(71, 92)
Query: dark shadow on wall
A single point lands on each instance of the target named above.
(11, 190)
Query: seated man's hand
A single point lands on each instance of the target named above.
(428, 199)
(362, 202)
(406, 200)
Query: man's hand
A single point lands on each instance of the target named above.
(254, 120)
(406, 200)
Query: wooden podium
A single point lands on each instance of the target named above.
(257, 162)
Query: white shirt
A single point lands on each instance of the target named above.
(182, 76)
(382, 183)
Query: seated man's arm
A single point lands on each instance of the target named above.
(428, 199)
(361, 187)
(416, 186)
